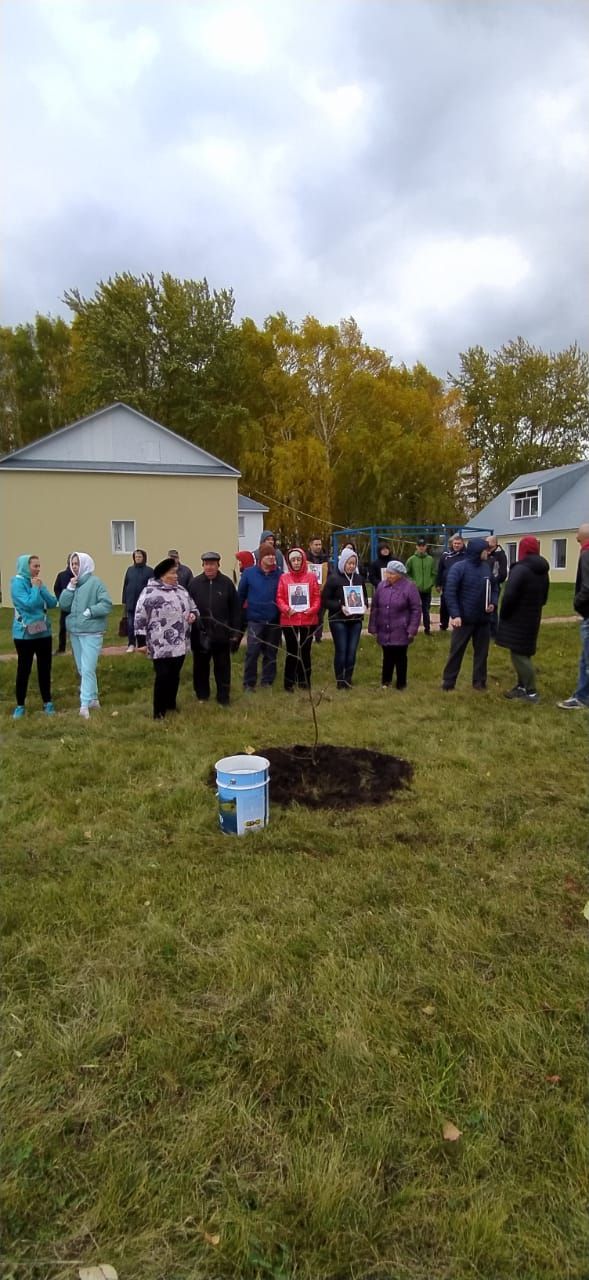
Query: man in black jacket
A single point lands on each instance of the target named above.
(316, 555)
(497, 561)
(454, 552)
(216, 632)
(184, 573)
(60, 585)
(580, 698)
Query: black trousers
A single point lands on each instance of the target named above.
(62, 642)
(444, 615)
(297, 663)
(165, 686)
(220, 654)
(394, 656)
(480, 634)
(426, 599)
(40, 647)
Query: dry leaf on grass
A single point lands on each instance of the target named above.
(552, 1079)
(102, 1272)
(429, 1009)
(586, 911)
(212, 1239)
(87, 835)
(250, 751)
(450, 1133)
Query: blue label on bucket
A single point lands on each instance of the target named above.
(242, 789)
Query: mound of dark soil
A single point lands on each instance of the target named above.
(338, 777)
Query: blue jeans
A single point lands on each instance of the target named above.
(582, 689)
(346, 636)
(86, 651)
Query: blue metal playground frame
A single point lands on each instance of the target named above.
(437, 535)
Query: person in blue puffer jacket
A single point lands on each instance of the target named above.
(471, 596)
(87, 604)
(31, 631)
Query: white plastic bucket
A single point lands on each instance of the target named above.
(242, 788)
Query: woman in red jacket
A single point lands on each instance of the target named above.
(299, 599)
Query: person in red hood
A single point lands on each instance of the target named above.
(299, 601)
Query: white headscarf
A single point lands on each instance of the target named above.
(86, 563)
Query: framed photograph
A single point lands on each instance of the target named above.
(354, 599)
(299, 597)
(319, 571)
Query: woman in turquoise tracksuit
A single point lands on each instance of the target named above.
(31, 631)
(87, 603)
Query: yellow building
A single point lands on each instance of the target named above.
(107, 484)
(550, 504)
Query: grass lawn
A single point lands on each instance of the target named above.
(234, 1058)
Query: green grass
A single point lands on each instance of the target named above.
(261, 1039)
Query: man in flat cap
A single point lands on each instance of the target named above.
(216, 632)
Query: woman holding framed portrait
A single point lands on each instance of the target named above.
(299, 599)
(344, 598)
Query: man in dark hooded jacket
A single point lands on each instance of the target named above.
(471, 596)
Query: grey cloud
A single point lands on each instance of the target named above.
(303, 214)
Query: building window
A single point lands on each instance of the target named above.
(122, 536)
(559, 553)
(241, 526)
(511, 548)
(526, 503)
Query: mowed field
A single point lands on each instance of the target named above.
(236, 1057)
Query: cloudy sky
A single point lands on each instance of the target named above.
(422, 166)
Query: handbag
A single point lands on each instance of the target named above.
(124, 625)
(35, 628)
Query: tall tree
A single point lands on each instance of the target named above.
(527, 409)
(35, 371)
(166, 347)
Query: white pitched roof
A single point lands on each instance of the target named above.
(117, 438)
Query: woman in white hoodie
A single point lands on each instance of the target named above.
(87, 604)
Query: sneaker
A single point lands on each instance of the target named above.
(532, 696)
(18, 713)
(569, 704)
(130, 648)
(85, 713)
(49, 709)
(448, 688)
(518, 691)
(385, 686)
(480, 688)
(94, 704)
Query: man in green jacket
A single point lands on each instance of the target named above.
(422, 571)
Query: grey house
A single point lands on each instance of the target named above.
(550, 504)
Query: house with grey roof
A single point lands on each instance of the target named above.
(250, 520)
(551, 505)
(113, 481)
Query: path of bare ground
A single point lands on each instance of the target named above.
(116, 650)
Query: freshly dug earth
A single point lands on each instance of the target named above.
(338, 775)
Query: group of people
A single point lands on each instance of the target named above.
(284, 599)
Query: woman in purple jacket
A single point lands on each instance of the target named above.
(394, 619)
